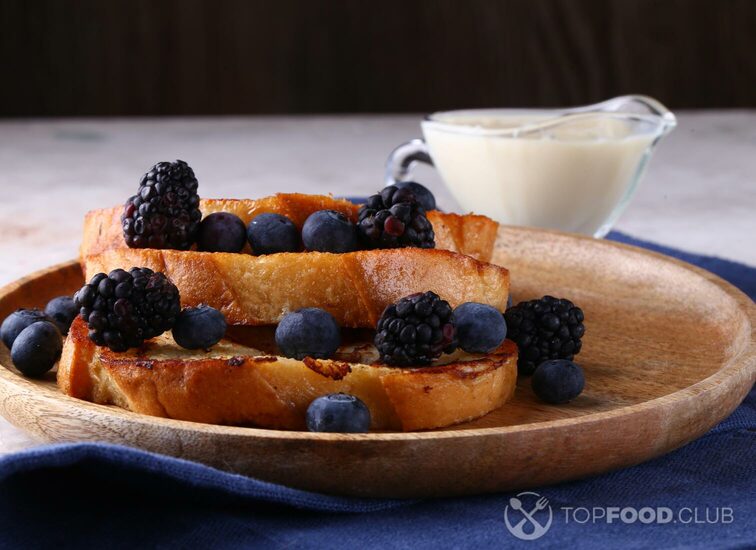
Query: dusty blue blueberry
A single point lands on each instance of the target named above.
(221, 232)
(308, 332)
(272, 233)
(329, 231)
(37, 348)
(62, 310)
(338, 412)
(199, 327)
(480, 328)
(558, 381)
(18, 321)
(422, 194)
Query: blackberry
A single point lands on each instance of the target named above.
(416, 330)
(165, 211)
(548, 328)
(125, 308)
(394, 218)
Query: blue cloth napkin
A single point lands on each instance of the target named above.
(96, 495)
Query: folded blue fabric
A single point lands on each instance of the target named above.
(96, 495)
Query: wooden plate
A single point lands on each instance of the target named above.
(669, 352)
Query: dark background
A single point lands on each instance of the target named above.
(179, 57)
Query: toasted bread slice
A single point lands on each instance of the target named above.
(355, 287)
(470, 234)
(238, 383)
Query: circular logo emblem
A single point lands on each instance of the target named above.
(528, 516)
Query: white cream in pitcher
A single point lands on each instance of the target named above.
(568, 176)
(568, 169)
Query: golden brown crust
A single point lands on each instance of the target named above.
(235, 385)
(355, 287)
(470, 234)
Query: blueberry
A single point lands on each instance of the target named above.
(558, 381)
(480, 328)
(221, 232)
(338, 412)
(272, 233)
(37, 348)
(18, 321)
(329, 231)
(199, 327)
(62, 310)
(309, 332)
(422, 194)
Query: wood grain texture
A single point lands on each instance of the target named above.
(670, 350)
(141, 57)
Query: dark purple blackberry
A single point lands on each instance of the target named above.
(394, 218)
(416, 330)
(544, 329)
(165, 211)
(125, 308)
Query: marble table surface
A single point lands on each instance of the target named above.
(699, 193)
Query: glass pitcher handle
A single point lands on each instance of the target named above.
(403, 158)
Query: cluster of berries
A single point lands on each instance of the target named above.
(165, 214)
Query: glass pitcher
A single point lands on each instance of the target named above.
(568, 169)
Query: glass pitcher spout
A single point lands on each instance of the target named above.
(615, 118)
(639, 105)
(633, 114)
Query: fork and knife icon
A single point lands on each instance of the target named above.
(540, 504)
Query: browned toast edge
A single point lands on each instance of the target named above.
(274, 392)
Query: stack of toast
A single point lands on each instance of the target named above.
(244, 380)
